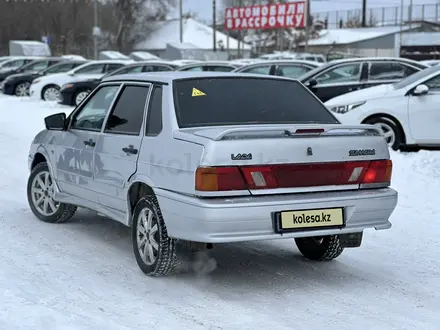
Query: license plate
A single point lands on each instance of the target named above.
(310, 219)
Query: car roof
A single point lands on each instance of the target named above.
(223, 63)
(167, 77)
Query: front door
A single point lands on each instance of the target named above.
(117, 149)
(338, 80)
(74, 168)
(424, 114)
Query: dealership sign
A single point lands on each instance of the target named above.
(281, 15)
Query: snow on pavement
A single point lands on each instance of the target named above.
(83, 275)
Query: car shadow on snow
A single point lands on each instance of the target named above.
(266, 266)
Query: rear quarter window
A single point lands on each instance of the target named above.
(246, 101)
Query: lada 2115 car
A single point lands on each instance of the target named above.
(210, 158)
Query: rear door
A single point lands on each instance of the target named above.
(117, 148)
(387, 72)
(337, 80)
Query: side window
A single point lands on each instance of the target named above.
(221, 68)
(194, 68)
(340, 74)
(14, 64)
(162, 68)
(92, 114)
(292, 71)
(149, 68)
(258, 70)
(128, 113)
(37, 66)
(131, 69)
(389, 71)
(154, 119)
(113, 66)
(91, 69)
(434, 83)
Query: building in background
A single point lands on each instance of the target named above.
(197, 42)
(373, 41)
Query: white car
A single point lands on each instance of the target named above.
(48, 87)
(408, 112)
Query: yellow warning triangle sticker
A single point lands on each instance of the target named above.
(196, 92)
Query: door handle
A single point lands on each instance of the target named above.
(89, 143)
(130, 150)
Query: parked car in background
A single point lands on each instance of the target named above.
(342, 76)
(35, 65)
(14, 62)
(73, 93)
(47, 87)
(18, 84)
(407, 112)
(295, 56)
(430, 62)
(218, 66)
(284, 68)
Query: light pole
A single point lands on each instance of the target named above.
(181, 20)
(95, 29)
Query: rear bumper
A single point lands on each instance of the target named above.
(249, 218)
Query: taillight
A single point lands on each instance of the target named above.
(368, 174)
(379, 171)
(219, 179)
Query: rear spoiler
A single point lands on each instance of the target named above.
(288, 132)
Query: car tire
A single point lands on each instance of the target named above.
(154, 250)
(40, 197)
(22, 89)
(323, 248)
(80, 96)
(49, 89)
(393, 132)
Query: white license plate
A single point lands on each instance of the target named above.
(304, 219)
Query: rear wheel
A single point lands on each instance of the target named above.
(22, 89)
(392, 132)
(154, 250)
(322, 248)
(40, 191)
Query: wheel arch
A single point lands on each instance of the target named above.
(138, 188)
(390, 117)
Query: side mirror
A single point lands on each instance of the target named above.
(421, 90)
(56, 122)
(312, 83)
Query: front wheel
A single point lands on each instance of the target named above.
(154, 250)
(322, 248)
(50, 93)
(40, 191)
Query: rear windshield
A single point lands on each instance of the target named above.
(245, 101)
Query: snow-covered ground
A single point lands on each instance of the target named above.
(82, 274)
